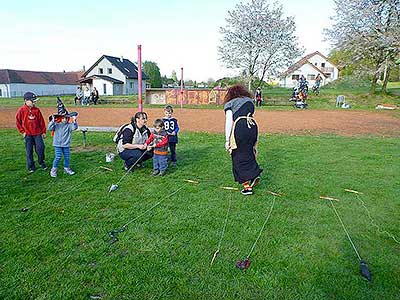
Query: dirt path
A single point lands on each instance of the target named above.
(346, 123)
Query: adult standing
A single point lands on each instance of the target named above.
(78, 95)
(131, 144)
(241, 135)
(30, 124)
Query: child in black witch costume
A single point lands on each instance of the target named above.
(241, 135)
(61, 129)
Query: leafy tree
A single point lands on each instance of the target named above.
(153, 72)
(258, 40)
(370, 31)
(174, 77)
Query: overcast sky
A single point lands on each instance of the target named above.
(66, 35)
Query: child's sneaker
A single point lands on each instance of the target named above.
(156, 172)
(255, 181)
(43, 166)
(247, 191)
(173, 164)
(53, 172)
(162, 173)
(69, 171)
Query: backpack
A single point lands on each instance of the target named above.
(118, 134)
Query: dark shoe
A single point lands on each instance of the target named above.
(43, 166)
(255, 181)
(30, 171)
(139, 166)
(162, 173)
(173, 164)
(247, 191)
(156, 172)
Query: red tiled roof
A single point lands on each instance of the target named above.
(37, 77)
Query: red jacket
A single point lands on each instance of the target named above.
(29, 120)
(161, 142)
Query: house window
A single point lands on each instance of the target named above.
(310, 76)
(104, 89)
(295, 77)
(316, 64)
(100, 70)
(323, 65)
(1, 93)
(131, 85)
(109, 71)
(328, 75)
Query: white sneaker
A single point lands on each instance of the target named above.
(53, 172)
(69, 171)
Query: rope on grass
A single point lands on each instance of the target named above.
(373, 223)
(71, 188)
(223, 231)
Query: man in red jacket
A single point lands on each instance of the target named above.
(30, 124)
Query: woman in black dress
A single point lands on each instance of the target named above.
(241, 135)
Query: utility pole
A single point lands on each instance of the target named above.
(140, 102)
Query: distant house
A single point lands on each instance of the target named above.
(113, 76)
(310, 66)
(14, 83)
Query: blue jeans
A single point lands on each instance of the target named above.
(160, 162)
(37, 142)
(60, 151)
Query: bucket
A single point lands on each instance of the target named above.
(110, 157)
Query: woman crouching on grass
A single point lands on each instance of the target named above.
(241, 135)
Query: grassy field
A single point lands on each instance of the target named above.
(276, 98)
(58, 249)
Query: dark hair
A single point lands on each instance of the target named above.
(236, 91)
(169, 108)
(159, 123)
(138, 115)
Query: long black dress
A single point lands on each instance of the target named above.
(244, 164)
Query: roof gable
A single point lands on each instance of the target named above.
(304, 61)
(38, 77)
(128, 68)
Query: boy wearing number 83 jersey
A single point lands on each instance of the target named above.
(172, 128)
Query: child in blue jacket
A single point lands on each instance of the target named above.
(62, 129)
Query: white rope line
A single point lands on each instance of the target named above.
(266, 220)
(374, 224)
(345, 230)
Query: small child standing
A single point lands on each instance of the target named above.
(172, 128)
(159, 141)
(62, 139)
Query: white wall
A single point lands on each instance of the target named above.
(99, 84)
(4, 91)
(19, 89)
(317, 60)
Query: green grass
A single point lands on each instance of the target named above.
(57, 250)
(356, 93)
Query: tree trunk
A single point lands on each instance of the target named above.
(373, 84)
(386, 79)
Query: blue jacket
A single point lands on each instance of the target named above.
(171, 125)
(62, 133)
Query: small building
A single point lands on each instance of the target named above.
(310, 66)
(113, 76)
(14, 83)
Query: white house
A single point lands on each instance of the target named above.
(310, 66)
(14, 83)
(113, 76)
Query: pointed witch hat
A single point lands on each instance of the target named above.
(62, 111)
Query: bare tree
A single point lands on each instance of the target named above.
(370, 30)
(258, 40)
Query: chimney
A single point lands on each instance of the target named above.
(122, 58)
(84, 69)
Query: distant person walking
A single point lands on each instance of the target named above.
(30, 124)
(258, 97)
(241, 135)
